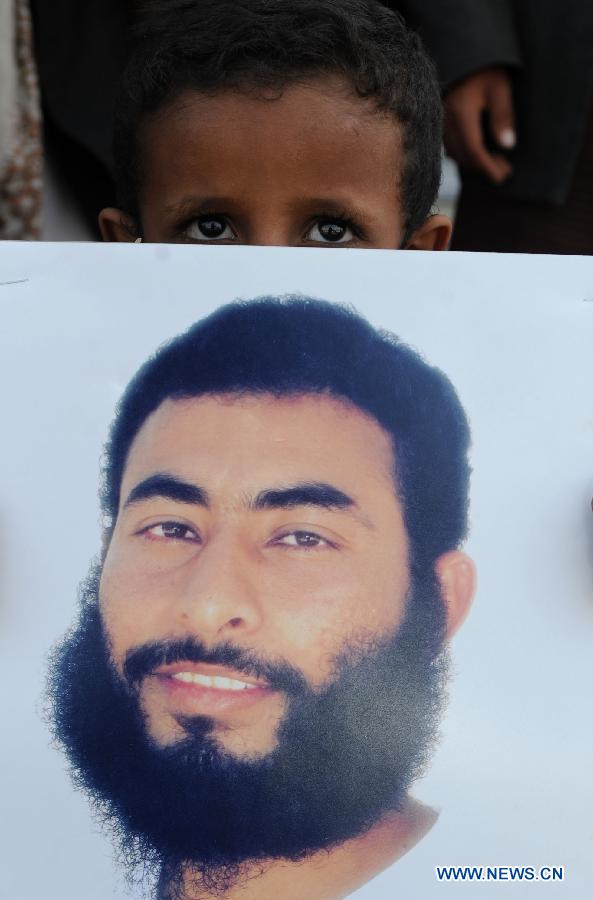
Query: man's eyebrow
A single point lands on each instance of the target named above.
(319, 494)
(314, 493)
(169, 487)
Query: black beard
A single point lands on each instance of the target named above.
(346, 755)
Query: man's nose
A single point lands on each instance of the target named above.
(221, 596)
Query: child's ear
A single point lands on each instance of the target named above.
(116, 225)
(435, 234)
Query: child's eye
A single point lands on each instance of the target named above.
(170, 531)
(210, 228)
(330, 231)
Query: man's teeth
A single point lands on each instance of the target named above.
(213, 681)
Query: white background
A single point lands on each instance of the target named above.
(515, 335)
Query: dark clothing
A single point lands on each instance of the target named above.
(548, 46)
(80, 48)
(488, 219)
(80, 51)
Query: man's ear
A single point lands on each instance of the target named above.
(435, 234)
(456, 573)
(116, 226)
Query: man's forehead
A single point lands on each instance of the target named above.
(254, 436)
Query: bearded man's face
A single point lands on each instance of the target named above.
(255, 674)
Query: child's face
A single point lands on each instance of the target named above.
(315, 166)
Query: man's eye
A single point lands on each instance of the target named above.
(210, 228)
(304, 539)
(171, 531)
(330, 231)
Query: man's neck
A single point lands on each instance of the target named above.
(327, 874)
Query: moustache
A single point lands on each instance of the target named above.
(142, 661)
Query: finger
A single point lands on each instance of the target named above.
(470, 130)
(503, 167)
(501, 113)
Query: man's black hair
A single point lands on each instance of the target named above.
(215, 45)
(297, 345)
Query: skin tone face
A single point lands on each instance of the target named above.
(315, 166)
(288, 541)
(272, 525)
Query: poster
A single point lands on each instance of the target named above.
(511, 775)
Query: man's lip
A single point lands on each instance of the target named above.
(210, 670)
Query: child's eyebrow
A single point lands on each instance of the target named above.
(333, 206)
(198, 204)
(204, 204)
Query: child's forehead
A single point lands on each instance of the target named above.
(311, 120)
(321, 100)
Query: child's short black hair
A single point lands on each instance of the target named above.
(213, 45)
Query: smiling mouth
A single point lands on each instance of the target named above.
(217, 682)
(206, 688)
(208, 677)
